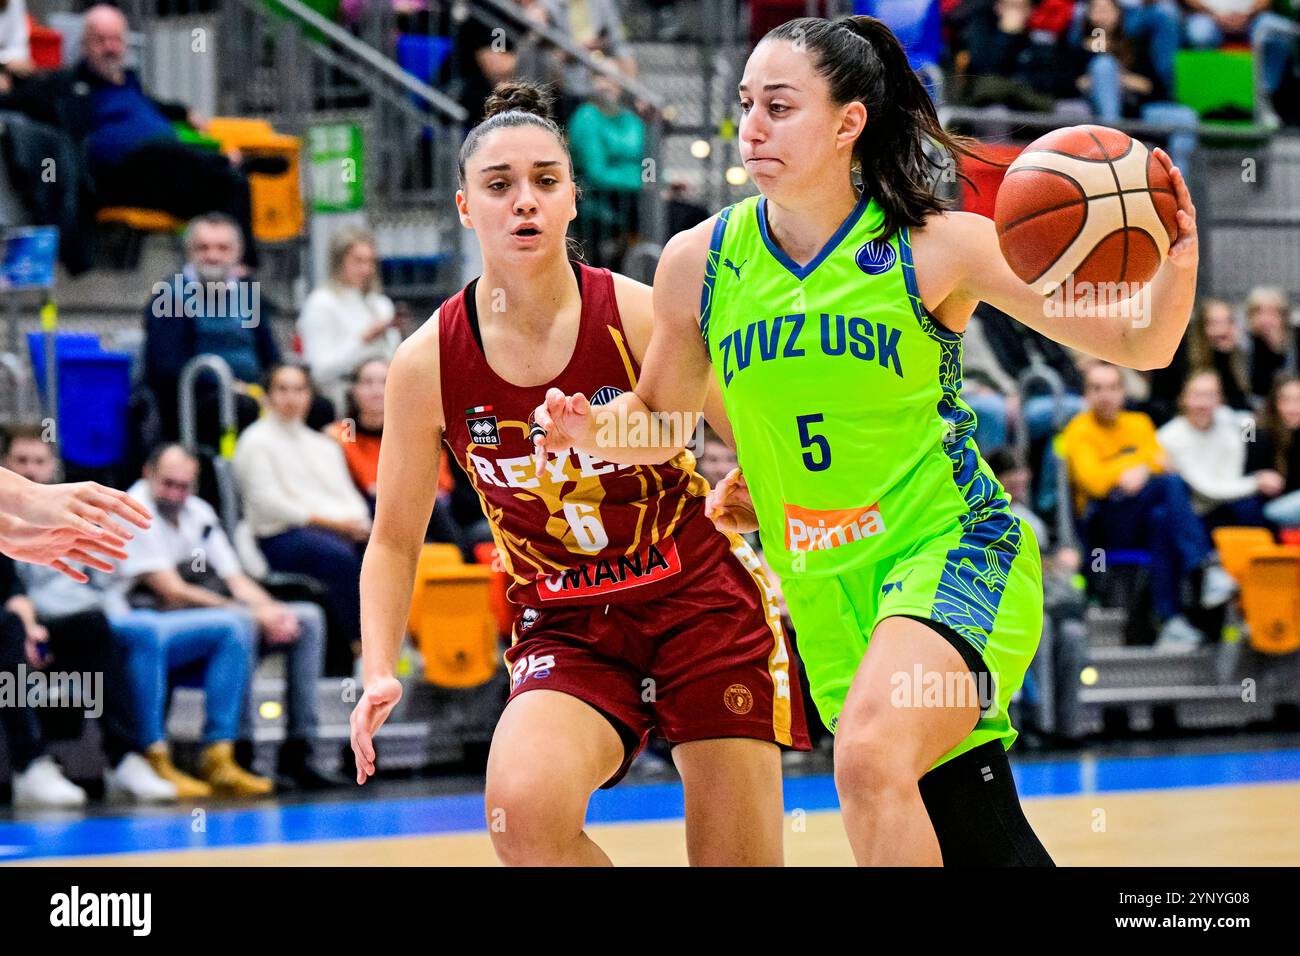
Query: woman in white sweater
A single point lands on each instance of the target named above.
(347, 321)
(1206, 444)
(299, 499)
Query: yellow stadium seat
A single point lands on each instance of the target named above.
(452, 619)
(277, 200)
(1270, 599)
(1236, 545)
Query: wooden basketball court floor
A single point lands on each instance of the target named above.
(1226, 809)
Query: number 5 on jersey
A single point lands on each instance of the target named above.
(814, 462)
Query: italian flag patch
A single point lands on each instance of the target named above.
(478, 410)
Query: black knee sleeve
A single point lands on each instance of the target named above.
(975, 810)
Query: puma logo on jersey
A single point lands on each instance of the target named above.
(768, 339)
(809, 530)
(894, 585)
(734, 268)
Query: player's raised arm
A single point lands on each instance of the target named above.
(674, 376)
(1141, 331)
(407, 487)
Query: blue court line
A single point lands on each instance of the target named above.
(424, 816)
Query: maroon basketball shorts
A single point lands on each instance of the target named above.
(707, 660)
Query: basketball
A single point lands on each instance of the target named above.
(1087, 201)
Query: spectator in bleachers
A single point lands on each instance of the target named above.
(300, 501)
(64, 625)
(134, 153)
(1272, 338)
(1125, 500)
(1215, 344)
(1206, 445)
(208, 309)
(1117, 72)
(607, 141)
(15, 45)
(1009, 63)
(348, 320)
(1155, 26)
(175, 629)
(485, 52)
(185, 561)
(1277, 447)
(31, 142)
(596, 25)
(1211, 23)
(359, 434)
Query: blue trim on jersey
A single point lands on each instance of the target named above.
(803, 272)
(711, 271)
(975, 572)
(932, 328)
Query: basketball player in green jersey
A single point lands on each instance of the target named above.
(831, 314)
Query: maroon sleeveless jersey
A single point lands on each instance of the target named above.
(588, 531)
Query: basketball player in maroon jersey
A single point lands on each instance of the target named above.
(635, 612)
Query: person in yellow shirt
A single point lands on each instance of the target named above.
(1126, 499)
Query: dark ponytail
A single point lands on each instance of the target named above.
(861, 59)
(513, 103)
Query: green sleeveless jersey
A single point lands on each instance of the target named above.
(843, 394)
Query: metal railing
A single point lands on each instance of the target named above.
(223, 455)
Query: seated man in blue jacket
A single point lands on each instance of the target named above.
(126, 137)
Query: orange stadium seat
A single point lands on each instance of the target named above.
(277, 200)
(451, 619)
(141, 220)
(1237, 545)
(1270, 599)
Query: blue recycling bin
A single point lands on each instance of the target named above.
(94, 391)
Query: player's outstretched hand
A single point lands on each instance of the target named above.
(560, 423)
(729, 505)
(84, 506)
(367, 717)
(1184, 251)
(57, 546)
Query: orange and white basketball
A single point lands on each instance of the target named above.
(1087, 201)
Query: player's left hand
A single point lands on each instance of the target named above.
(729, 505)
(1185, 250)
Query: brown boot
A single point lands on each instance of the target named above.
(228, 779)
(187, 788)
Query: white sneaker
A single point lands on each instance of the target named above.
(1217, 586)
(42, 785)
(133, 781)
(1179, 636)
